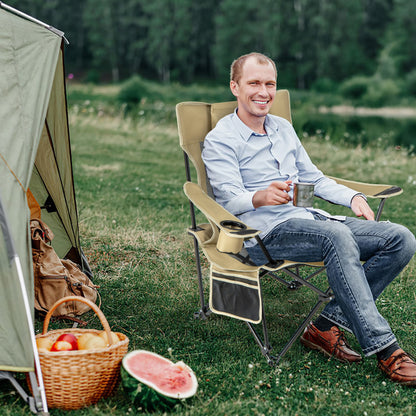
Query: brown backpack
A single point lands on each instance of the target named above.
(56, 278)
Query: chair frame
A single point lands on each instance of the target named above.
(199, 198)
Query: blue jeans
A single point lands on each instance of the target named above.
(384, 247)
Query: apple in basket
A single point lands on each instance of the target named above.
(89, 341)
(65, 342)
(114, 337)
(71, 338)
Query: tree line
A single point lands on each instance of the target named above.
(314, 42)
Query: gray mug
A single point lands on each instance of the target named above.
(303, 194)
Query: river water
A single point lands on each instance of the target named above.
(356, 129)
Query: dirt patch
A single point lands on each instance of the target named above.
(391, 112)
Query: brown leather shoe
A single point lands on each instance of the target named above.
(400, 368)
(331, 343)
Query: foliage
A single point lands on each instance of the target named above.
(381, 92)
(402, 36)
(186, 40)
(143, 397)
(355, 87)
(133, 91)
(325, 85)
(410, 83)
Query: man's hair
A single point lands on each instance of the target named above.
(237, 65)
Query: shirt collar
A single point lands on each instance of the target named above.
(246, 132)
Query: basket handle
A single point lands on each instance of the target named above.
(92, 305)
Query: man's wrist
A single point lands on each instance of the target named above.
(359, 195)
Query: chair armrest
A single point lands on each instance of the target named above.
(226, 222)
(371, 190)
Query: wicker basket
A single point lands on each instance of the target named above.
(75, 379)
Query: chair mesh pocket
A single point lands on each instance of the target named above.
(236, 295)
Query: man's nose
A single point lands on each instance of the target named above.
(263, 89)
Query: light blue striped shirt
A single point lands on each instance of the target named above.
(240, 162)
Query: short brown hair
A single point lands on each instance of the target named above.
(237, 65)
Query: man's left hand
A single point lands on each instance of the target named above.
(361, 208)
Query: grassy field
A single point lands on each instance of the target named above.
(133, 218)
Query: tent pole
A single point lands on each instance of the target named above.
(41, 386)
(13, 257)
(32, 19)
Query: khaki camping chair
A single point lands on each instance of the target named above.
(235, 288)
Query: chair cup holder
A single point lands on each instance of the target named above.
(227, 243)
(233, 225)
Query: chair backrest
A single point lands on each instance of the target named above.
(196, 119)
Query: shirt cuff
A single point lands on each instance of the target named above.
(241, 203)
(357, 194)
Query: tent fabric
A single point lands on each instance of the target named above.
(34, 153)
(11, 296)
(53, 170)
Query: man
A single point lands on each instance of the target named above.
(252, 160)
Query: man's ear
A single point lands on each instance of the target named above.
(234, 88)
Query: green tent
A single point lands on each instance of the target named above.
(35, 153)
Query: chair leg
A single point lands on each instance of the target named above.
(292, 285)
(380, 209)
(305, 282)
(204, 311)
(264, 344)
(322, 299)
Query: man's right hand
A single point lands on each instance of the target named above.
(275, 194)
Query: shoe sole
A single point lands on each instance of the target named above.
(313, 346)
(403, 383)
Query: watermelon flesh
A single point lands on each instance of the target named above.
(174, 380)
(153, 381)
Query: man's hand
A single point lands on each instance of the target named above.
(361, 209)
(275, 194)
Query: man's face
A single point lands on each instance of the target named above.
(255, 90)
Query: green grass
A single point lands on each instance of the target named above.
(133, 219)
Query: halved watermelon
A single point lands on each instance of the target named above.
(153, 382)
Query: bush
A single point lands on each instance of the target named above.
(93, 76)
(355, 87)
(133, 91)
(381, 92)
(410, 83)
(324, 85)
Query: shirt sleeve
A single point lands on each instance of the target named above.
(224, 175)
(325, 187)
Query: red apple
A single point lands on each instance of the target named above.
(61, 346)
(69, 338)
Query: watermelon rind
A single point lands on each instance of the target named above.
(144, 397)
(148, 396)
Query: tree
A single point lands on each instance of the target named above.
(186, 39)
(178, 34)
(101, 21)
(242, 27)
(377, 18)
(308, 38)
(402, 36)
